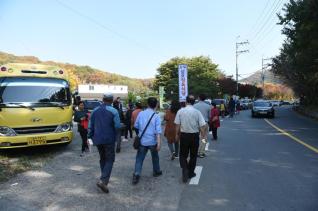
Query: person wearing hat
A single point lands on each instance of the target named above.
(102, 127)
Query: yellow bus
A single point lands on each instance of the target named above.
(35, 106)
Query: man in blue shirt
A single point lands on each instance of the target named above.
(151, 139)
(102, 130)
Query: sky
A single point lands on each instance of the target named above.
(133, 38)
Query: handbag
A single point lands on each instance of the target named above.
(137, 139)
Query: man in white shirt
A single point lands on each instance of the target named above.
(189, 123)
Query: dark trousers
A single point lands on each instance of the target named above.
(118, 138)
(137, 131)
(83, 134)
(215, 133)
(189, 142)
(107, 158)
(128, 129)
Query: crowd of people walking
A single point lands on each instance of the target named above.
(186, 131)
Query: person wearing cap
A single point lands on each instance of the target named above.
(102, 127)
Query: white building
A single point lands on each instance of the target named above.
(96, 91)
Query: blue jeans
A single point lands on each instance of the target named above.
(141, 154)
(107, 158)
(174, 148)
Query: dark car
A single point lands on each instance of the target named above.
(90, 105)
(263, 108)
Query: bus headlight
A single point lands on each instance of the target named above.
(64, 127)
(6, 131)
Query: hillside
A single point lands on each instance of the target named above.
(256, 78)
(84, 74)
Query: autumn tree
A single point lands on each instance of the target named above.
(297, 62)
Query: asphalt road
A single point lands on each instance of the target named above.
(251, 167)
(255, 167)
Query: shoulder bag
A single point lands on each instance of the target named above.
(137, 139)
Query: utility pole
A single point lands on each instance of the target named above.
(237, 53)
(263, 71)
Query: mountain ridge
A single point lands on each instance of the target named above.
(80, 74)
(256, 78)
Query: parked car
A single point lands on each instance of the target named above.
(245, 104)
(285, 102)
(90, 105)
(263, 108)
(275, 102)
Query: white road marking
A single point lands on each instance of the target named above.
(207, 147)
(195, 180)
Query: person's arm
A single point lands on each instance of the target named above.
(116, 120)
(158, 131)
(77, 117)
(136, 123)
(177, 121)
(177, 133)
(202, 125)
(91, 125)
(203, 132)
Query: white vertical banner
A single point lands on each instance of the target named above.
(183, 82)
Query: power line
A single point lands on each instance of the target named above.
(266, 32)
(104, 27)
(266, 18)
(258, 19)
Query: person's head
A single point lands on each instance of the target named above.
(152, 102)
(190, 99)
(118, 99)
(116, 104)
(214, 105)
(202, 97)
(77, 100)
(138, 105)
(175, 106)
(81, 105)
(108, 98)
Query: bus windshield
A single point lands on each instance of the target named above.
(34, 91)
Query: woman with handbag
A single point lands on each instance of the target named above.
(215, 121)
(170, 129)
(81, 116)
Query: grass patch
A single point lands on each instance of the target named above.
(15, 161)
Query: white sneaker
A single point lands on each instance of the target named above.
(125, 140)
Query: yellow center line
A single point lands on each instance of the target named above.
(292, 137)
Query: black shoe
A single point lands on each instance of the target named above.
(135, 179)
(118, 150)
(185, 175)
(173, 156)
(201, 155)
(192, 175)
(102, 186)
(157, 174)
